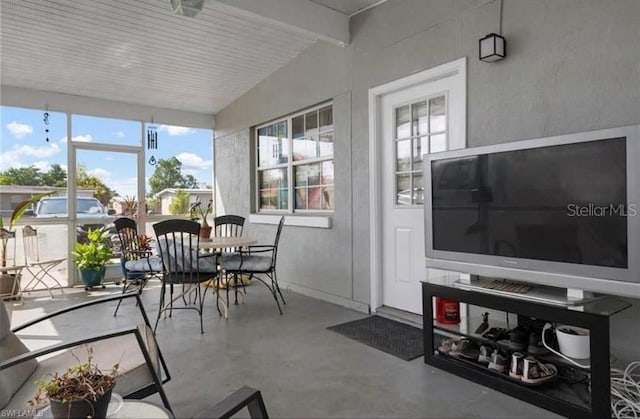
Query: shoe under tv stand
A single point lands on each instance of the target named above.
(575, 400)
(539, 293)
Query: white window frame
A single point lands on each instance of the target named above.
(290, 166)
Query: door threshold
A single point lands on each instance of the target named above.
(402, 316)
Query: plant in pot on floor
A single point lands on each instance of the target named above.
(92, 258)
(7, 237)
(82, 391)
(197, 213)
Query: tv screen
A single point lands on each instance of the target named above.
(562, 203)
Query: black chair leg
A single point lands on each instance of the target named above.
(275, 280)
(160, 308)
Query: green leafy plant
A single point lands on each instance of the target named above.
(84, 381)
(197, 212)
(16, 215)
(96, 253)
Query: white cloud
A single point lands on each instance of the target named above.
(119, 134)
(192, 163)
(19, 130)
(87, 138)
(175, 131)
(125, 187)
(44, 166)
(99, 173)
(12, 158)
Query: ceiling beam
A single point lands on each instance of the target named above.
(302, 15)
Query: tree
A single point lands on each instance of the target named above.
(179, 204)
(86, 181)
(168, 174)
(24, 176)
(56, 176)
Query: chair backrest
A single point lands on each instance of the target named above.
(228, 226)
(30, 241)
(178, 243)
(277, 240)
(127, 230)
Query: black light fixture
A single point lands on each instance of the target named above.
(493, 47)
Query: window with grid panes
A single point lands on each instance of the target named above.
(420, 128)
(295, 162)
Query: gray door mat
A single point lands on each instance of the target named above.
(395, 338)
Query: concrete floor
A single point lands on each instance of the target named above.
(302, 369)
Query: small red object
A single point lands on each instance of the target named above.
(447, 311)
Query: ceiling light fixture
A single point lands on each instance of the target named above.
(188, 8)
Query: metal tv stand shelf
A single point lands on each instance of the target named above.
(574, 399)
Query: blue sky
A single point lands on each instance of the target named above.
(24, 144)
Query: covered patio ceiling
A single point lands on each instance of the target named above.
(140, 52)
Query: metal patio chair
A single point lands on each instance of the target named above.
(138, 262)
(39, 268)
(183, 264)
(255, 261)
(229, 226)
(142, 369)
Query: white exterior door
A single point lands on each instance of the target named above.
(426, 118)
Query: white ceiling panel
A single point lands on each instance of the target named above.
(141, 52)
(348, 7)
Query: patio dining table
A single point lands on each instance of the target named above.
(219, 243)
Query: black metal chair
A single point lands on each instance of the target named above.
(183, 264)
(257, 260)
(142, 369)
(229, 226)
(138, 262)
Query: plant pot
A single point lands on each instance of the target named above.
(205, 232)
(7, 289)
(81, 408)
(92, 277)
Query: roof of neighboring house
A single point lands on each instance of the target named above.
(19, 189)
(189, 191)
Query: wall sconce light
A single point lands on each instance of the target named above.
(493, 47)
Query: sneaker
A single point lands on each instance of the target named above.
(517, 363)
(485, 354)
(535, 372)
(459, 346)
(469, 350)
(445, 345)
(535, 345)
(498, 361)
(519, 338)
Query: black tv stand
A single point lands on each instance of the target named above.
(589, 398)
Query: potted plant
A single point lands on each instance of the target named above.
(8, 279)
(92, 257)
(81, 391)
(197, 213)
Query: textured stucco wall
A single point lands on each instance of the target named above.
(572, 65)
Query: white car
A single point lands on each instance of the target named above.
(89, 209)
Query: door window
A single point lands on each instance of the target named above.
(420, 128)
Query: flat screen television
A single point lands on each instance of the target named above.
(559, 211)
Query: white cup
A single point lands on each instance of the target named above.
(573, 345)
